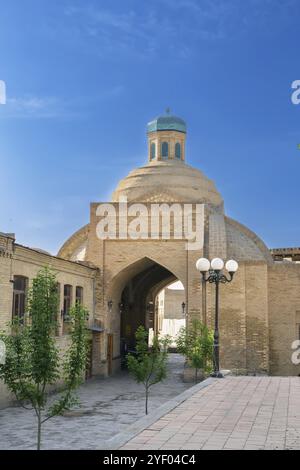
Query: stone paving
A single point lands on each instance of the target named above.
(108, 406)
(231, 413)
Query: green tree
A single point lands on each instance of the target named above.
(33, 362)
(196, 344)
(149, 365)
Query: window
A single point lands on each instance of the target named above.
(164, 150)
(152, 151)
(79, 295)
(178, 150)
(19, 296)
(67, 300)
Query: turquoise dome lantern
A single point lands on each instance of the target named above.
(166, 138)
(166, 123)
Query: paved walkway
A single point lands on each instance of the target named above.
(108, 406)
(230, 413)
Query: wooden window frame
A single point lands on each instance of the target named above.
(67, 301)
(19, 298)
(79, 298)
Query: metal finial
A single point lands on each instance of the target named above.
(168, 110)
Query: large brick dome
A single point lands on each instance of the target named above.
(166, 181)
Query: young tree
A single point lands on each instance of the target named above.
(33, 361)
(149, 365)
(196, 344)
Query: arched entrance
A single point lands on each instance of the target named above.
(136, 289)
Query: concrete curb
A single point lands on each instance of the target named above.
(120, 439)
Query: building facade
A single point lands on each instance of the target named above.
(119, 277)
(259, 317)
(76, 282)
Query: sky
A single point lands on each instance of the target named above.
(84, 77)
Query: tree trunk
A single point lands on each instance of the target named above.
(146, 403)
(196, 374)
(39, 432)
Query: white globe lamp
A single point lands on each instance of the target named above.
(231, 266)
(203, 265)
(217, 264)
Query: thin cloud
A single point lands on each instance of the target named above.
(115, 34)
(173, 27)
(49, 107)
(33, 106)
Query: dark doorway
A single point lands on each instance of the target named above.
(137, 306)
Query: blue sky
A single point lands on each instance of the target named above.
(84, 77)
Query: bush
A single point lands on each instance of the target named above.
(196, 344)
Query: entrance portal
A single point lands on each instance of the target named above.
(140, 303)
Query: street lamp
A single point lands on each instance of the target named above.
(183, 308)
(215, 276)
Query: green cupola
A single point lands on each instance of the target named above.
(166, 138)
(166, 123)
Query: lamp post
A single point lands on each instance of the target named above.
(183, 308)
(212, 273)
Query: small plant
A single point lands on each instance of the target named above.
(196, 344)
(149, 365)
(33, 361)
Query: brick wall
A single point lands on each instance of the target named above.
(284, 303)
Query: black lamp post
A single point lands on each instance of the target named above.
(216, 276)
(183, 308)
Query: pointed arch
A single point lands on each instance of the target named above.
(134, 268)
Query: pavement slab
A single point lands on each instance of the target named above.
(108, 406)
(231, 413)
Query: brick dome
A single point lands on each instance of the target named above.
(166, 181)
